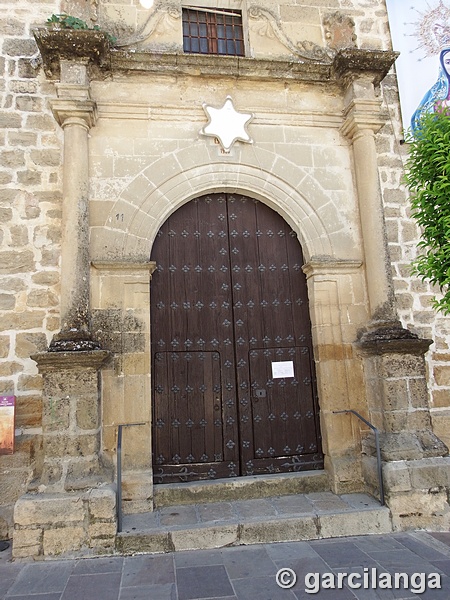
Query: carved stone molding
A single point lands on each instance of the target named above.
(339, 31)
(272, 27)
(160, 19)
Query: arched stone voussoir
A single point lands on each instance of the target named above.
(288, 189)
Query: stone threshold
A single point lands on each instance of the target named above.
(294, 517)
(239, 488)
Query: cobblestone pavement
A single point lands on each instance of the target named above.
(246, 572)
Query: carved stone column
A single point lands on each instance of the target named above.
(76, 113)
(362, 121)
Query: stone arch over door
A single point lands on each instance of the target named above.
(336, 285)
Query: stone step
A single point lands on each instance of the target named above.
(239, 488)
(293, 517)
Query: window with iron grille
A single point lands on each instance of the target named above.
(213, 31)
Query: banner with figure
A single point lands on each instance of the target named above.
(420, 31)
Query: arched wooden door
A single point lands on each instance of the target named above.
(232, 368)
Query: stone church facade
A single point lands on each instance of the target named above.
(161, 199)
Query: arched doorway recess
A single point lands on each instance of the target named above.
(234, 390)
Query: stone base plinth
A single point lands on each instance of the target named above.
(417, 493)
(66, 524)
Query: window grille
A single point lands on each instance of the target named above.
(213, 31)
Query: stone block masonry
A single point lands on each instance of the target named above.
(30, 225)
(51, 525)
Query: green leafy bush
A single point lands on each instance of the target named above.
(428, 180)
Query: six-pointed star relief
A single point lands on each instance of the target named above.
(226, 124)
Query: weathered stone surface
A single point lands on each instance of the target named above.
(209, 537)
(396, 477)
(12, 261)
(7, 301)
(29, 343)
(102, 503)
(337, 525)
(48, 509)
(27, 542)
(67, 539)
(300, 528)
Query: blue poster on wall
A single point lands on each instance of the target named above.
(420, 31)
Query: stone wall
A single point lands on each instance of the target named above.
(30, 222)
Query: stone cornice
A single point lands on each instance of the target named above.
(75, 45)
(327, 265)
(93, 47)
(125, 266)
(347, 64)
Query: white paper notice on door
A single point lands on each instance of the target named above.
(282, 369)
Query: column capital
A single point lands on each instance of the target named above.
(362, 116)
(67, 110)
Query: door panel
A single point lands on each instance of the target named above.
(228, 300)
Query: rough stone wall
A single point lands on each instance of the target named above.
(30, 184)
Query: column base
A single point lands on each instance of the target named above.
(73, 340)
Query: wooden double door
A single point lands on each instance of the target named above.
(233, 376)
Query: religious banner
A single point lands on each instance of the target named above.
(420, 31)
(7, 415)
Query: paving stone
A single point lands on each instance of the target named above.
(377, 542)
(203, 582)
(442, 536)
(42, 578)
(244, 562)
(261, 588)
(285, 551)
(149, 592)
(99, 586)
(220, 511)
(396, 559)
(98, 565)
(197, 558)
(327, 501)
(344, 554)
(419, 548)
(178, 515)
(145, 570)
(234, 573)
(52, 596)
(255, 508)
(298, 504)
(442, 566)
